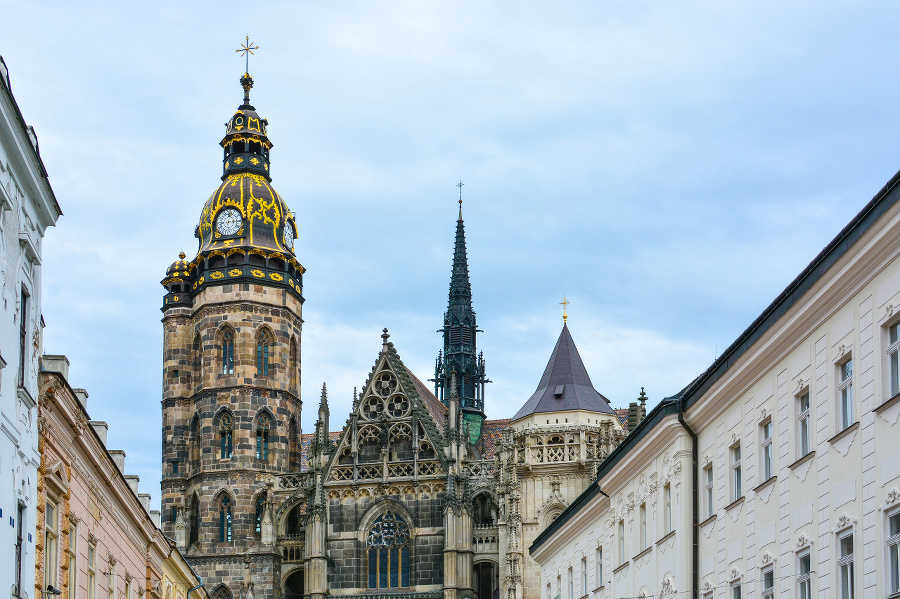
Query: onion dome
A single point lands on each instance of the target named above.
(246, 230)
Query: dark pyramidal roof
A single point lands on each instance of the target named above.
(565, 384)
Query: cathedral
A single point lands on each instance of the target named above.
(416, 495)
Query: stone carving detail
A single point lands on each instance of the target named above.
(845, 521)
(735, 574)
(767, 558)
(707, 586)
(803, 541)
(893, 497)
(889, 310)
(668, 589)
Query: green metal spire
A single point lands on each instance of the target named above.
(460, 354)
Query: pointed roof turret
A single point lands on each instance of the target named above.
(565, 384)
(460, 301)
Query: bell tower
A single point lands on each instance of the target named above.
(232, 319)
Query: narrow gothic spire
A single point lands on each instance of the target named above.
(460, 289)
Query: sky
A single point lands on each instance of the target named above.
(669, 167)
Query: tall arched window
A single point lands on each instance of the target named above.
(388, 552)
(294, 441)
(195, 521)
(224, 518)
(260, 508)
(263, 345)
(222, 593)
(293, 362)
(198, 360)
(227, 355)
(263, 425)
(225, 435)
(195, 445)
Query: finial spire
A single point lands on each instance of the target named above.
(565, 303)
(384, 337)
(460, 185)
(246, 50)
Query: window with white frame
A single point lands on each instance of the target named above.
(559, 586)
(803, 438)
(736, 590)
(767, 448)
(599, 572)
(642, 531)
(667, 508)
(584, 588)
(894, 551)
(804, 579)
(737, 490)
(571, 584)
(622, 556)
(845, 395)
(73, 559)
(710, 488)
(111, 583)
(893, 353)
(128, 588)
(768, 583)
(845, 566)
(51, 543)
(92, 571)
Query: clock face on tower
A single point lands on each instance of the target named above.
(228, 222)
(289, 236)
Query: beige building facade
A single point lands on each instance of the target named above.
(777, 471)
(95, 536)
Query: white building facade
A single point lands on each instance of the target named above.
(776, 473)
(27, 208)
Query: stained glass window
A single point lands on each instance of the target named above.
(388, 547)
(224, 519)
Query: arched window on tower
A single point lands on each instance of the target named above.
(195, 444)
(227, 354)
(225, 531)
(226, 432)
(263, 425)
(260, 508)
(198, 360)
(195, 521)
(293, 363)
(294, 458)
(263, 347)
(388, 552)
(484, 510)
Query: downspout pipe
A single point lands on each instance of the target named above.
(192, 589)
(695, 504)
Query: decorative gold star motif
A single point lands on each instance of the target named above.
(254, 160)
(238, 160)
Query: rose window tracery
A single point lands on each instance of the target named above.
(397, 406)
(373, 408)
(385, 384)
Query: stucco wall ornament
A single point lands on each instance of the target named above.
(889, 310)
(735, 574)
(764, 413)
(893, 496)
(803, 542)
(668, 589)
(707, 586)
(844, 521)
(767, 558)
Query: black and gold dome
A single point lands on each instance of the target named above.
(246, 230)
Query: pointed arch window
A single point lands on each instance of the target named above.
(263, 347)
(294, 458)
(198, 360)
(226, 433)
(260, 509)
(225, 530)
(388, 552)
(195, 521)
(195, 444)
(263, 427)
(293, 364)
(227, 356)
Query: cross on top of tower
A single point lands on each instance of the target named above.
(565, 304)
(245, 50)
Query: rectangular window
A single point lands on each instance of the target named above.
(803, 418)
(571, 585)
(559, 586)
(767, 448)
(20, 528)
(549, 592)
(736, 591)
(804, 580)
(111, 582)
(599, 573)
(584, 588)
(51, 544)
(23, 336)
(92, 571)
(127, 588)
(622, 557)
(73, 560)
(643, 528)
(894, 357)
(768, 584)
(667, 508)
(736, 481)
(845, 388)
(845, 565)
(894, 551)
